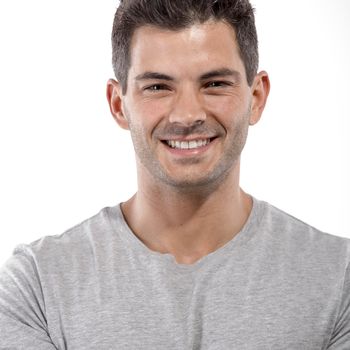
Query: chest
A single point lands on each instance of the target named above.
(216, 311)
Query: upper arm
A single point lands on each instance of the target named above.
(22, 308)
(341, 334)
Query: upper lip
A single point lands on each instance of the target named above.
(188, 138)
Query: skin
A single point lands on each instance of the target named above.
(187, 85)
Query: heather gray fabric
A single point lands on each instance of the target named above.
(279, 284)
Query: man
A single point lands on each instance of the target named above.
(191, 261)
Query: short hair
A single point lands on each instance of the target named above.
(181, 14)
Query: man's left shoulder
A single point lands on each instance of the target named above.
(304, 239)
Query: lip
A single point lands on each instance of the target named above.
(188, 139)
(189, 152)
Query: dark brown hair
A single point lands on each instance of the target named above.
(181, 14)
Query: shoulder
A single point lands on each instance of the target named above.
(302, 240)
(76, 243)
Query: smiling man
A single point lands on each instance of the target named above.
(191, 261)
(188, 104)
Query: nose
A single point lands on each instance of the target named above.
(187, 108)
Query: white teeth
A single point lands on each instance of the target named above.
(187, 144)
(184, 145)
(193, 144)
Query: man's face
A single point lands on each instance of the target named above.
(188, 104)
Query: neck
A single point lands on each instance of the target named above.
(191, 224)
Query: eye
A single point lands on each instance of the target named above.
(217, 84)
(156, 87)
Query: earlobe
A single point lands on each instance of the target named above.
(114, 98)
(260, 93)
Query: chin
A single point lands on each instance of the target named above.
(195, 184)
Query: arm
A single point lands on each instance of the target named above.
(341, 334)
(23, 323)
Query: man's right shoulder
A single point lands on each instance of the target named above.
(75, 243)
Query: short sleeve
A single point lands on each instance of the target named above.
(341, 335)
(22, 309)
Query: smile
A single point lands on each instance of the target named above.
(192, 144)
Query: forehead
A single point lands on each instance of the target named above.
(210, 45)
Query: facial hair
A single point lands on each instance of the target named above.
(233, 145)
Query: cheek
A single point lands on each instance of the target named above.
(150, 113)
(226, 109)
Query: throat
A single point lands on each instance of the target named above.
(188, 233)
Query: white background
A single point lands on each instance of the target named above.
(63, 158)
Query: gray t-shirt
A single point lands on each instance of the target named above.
(279, 284)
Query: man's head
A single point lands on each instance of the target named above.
(178, 15)
(189, 97)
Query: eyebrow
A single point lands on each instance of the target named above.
(222, 72)
(154, 75)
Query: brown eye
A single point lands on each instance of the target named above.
(215, 84)
(156, 87)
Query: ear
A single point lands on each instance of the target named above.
(260, 91)
(114, 97)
